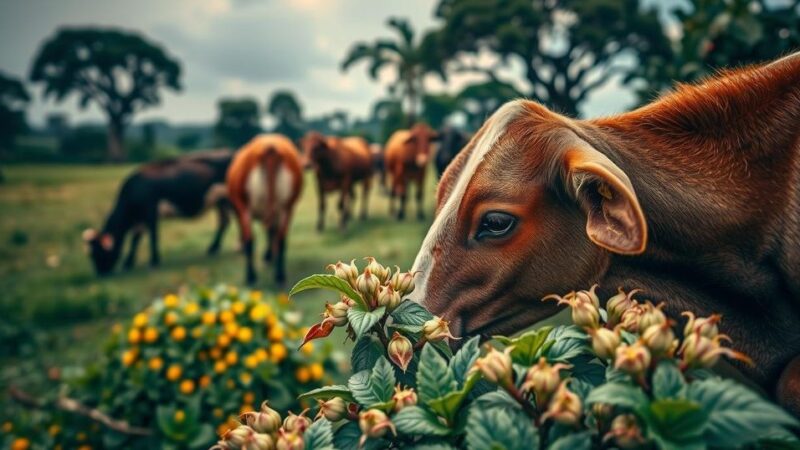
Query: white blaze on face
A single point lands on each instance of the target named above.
(446, 217)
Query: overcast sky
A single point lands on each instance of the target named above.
(238, 47)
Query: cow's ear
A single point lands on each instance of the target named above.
(89, 234)
(107, 241)
(615, 220)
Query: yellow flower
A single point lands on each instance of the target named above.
(283, 298)
(220, 366)
(246, 378)
(316, 370)
(275, 333)
(85, 447)
(178, 333)
(54, 429)
(231, 329)
(238, 307)
(170, 318)
(204, 381)
(249, 397)
(140, 320)
(174, 372)
(134, 336)
(226, 316)
(302, 374)
(155, 364)
(271, 320)
(129, 357)
(245, 409)
(231, 358)
(209, 318)
(256, 296)
(277, 352)
(217, 412)
(261, 355)
(245, 334)
(191, 308)
(251, 362)
(171, 301)
(179, 416)
(150, 335)
(187, 387)
(215, 353)
(197, 332)
(20, 444)
(223, 340)
(222, 429)
(258, 313)
(8, 427)
(308, 348)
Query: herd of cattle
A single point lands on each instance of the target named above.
(263, 181)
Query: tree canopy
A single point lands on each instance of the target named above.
(121, 72)
(13, 100)
(237, 122)
(284, 107)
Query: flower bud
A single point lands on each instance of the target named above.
(402, 282)
(632, 359)
(602, 411)
(337, 313)
(261, 442)
(651, 315)
(238, 436)
(589, 296)
(377, 269)
(604, 342)
(334, 409)
(496, 366)
(290, 440)
(565, 407)
(700, 351)
(630, 318)
(400, 350)
(436, 329)
(388, 297)
(660, 339)
(618, 304)
(298, 423)
(403, 398)
(584, 312)
(374, 423)
(267, 420)
(626, 432)
(706, 326)
(367, 284)
(543, 379)
(347, 272)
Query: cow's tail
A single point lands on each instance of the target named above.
(270, 163)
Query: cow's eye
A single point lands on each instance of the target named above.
(495, 224)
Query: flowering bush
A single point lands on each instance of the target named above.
(183, 370)
(617, 378)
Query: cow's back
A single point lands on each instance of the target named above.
(361, 157)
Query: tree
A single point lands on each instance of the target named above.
(238, 121)
(14, 99)
(436, 108)
(410, 60)
(480, 100)
(284, 107)
(567, 48)
(120, 72)
(389, 114)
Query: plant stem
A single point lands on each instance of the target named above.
(526, 405)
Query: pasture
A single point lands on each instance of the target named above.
(49, 286)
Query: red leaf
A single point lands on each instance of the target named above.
(318, 330)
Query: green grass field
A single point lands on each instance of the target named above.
(47, 282)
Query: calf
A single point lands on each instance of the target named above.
(451, 141)
(406, 159)
(264, 181)
(339, 164)
(694, 198)
(182, 187)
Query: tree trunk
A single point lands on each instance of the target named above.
(116, 136)
(411, 93)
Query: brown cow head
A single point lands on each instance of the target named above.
(420, 138)
(314, 144)
(102, 250)
(528, 208)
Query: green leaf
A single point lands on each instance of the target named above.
(497, 399)
(374, 387)
(347, 436)
(366, 353)
(447, 406)
(362, 321)
(328, 392)
(414, 420)
(326, 281)
(204, 437)
(430, 446)
(412, 329)
(568, 342)
(411, 313)
(319, 436)
(500, 429)
(618, 395)
(736, 415)
(442, 347)
(434, 378)
(675, 423)
(464, 359)
(576, 441)
(527, 346)
(668, 381)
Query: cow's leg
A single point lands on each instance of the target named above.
(344, 203)
(400, 187)
(271, 231)
(365, 197)
(279, 244)
(420, 192)
(152, 228)
(246, 237)
(131, 258)
(321, 210)
(223, 209)
(788, 392)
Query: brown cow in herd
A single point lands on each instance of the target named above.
(406, 161)
(694, 198)
(339, 164)
(264, 182)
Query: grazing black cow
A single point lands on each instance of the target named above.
(451, 141)
(179, 187)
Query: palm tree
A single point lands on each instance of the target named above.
(411, 60)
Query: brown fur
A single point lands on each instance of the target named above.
(406, 158)
(715, 171)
